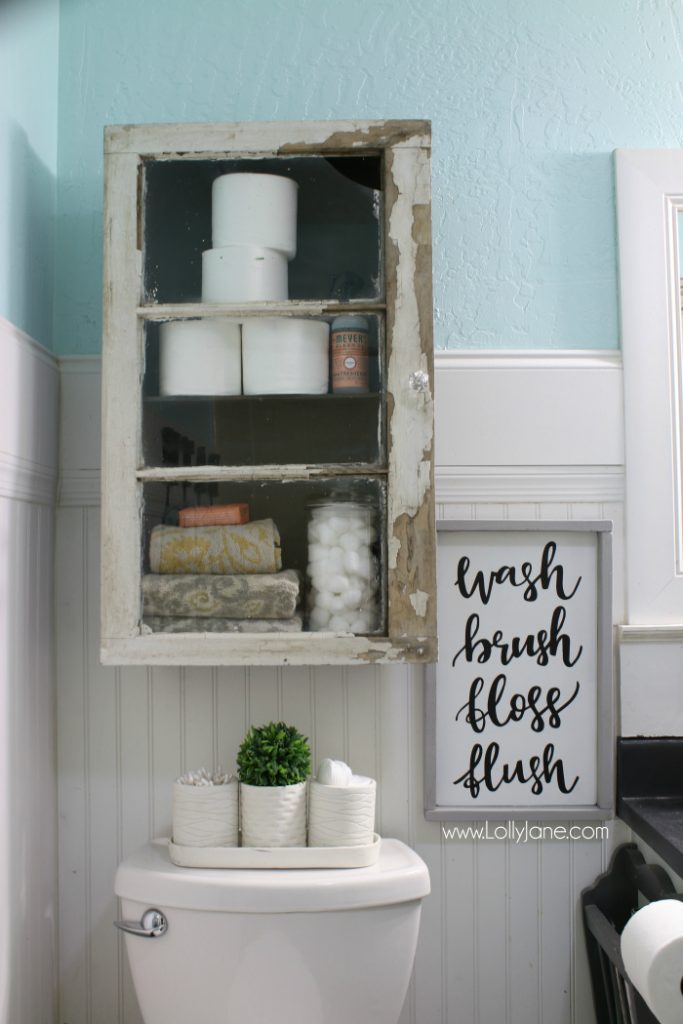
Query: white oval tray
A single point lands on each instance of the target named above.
(275, 857)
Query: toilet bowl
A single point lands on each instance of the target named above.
(304, 946)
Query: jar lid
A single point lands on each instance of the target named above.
(341, 505)
(349, 322)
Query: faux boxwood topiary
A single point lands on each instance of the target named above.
(274, 755)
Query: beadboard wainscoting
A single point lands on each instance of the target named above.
(501, 938)
(28, 794)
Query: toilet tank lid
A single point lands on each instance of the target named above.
(149, 876)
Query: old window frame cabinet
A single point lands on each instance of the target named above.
(403, 148)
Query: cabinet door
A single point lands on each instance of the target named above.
(362, 249)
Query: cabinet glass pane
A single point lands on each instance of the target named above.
(338, 226)
(254, 430)
(289, 506)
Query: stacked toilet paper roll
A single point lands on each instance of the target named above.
(652, 951)
(241, 273)
(253, 223)
(200, 357)
(285, 356)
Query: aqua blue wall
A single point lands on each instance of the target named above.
(29, 39)
(528, 98)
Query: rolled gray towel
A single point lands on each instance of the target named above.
(236, 596)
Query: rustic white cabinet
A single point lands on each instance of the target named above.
(364, 249)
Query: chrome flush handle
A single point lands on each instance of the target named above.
(151, 925)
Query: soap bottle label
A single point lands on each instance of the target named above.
(349, 351)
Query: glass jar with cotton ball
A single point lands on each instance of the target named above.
(343, 570)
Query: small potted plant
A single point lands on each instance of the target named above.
(273, 764)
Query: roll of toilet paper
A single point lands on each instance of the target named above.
(254, 209)
(200, 357)
(341, 815)
(652, 950)
(284, 356)
(244, 273)
(205, 815)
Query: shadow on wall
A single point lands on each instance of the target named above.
(28, 260)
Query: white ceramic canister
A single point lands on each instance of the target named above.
(343, 572)
(273, 815)
(254, 209)
(200, 357)
(244, 273)
(341, 815)
(205, 815)
(285, 356)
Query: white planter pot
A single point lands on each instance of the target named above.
(341, 815)
(273, 815)
(205, 815)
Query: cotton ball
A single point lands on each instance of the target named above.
(318, 576)
(319, 618)
(353, 597)
(354, 523)
(337, 524)
(317, 552)
(338, 584)
(361, 624)
(350, 541)
(365, 568)
(314, 530)
(326, 533)
(325, 598)
(335, 560)
(337, 602)
(339, 623)
(352, 562)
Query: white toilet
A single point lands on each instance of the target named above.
(306, 946)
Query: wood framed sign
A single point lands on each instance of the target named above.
(519, 719)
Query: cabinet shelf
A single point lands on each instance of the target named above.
(370, 397)
(210, 474)
(292, 307)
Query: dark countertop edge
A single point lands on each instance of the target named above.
(648, 819)
(650, 793)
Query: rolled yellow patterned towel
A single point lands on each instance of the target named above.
(248, 548)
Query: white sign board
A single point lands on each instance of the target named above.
(519, 707)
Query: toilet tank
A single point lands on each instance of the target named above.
(311, 946)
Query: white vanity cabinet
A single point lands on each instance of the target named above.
(363, 249)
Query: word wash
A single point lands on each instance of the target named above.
(502, 697)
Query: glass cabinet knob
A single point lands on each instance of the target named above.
(419, 380)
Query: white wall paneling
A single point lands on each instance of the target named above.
(649, 202)
(28, 791)
(501, 938)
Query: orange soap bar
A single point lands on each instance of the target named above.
(214, 515)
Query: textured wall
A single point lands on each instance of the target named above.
(29, 33)
(528, 100)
